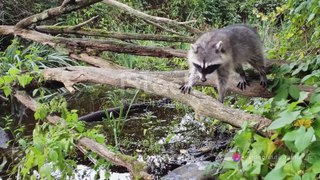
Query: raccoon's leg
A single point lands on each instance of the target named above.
(258, 64)
(243, 82)
(193, 78)
(223, 77)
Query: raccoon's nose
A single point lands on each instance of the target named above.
(203, 79)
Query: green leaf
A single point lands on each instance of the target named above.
(277, 172)
(13, 71)
(294, 92)
(53, 155)
(304, 140)
(281, 94)
(309, 176)
(301, 138)
(297, 161)
(45, 170)
(285, 118)
(243, 141)
(7, 91)
(24, 79)
(311, 17)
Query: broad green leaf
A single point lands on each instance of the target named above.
(285, 118)
(301, 138)
(297, 161)
(302, 96)
(24, 80)
(7, 91)
(243, 141)
(296, 177)
(304, 138)
(13, 71)
(45, 170)
(53, 155)
(309, 176)
(294, 92)
(277, 172)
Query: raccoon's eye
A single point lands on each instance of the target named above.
(197, 67)
(221, 51)
(210, 69)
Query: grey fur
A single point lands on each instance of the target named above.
(224, 50)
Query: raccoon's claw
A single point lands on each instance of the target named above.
(243, 84)
(264, 84)
(185, 89)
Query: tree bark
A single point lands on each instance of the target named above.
(202, 104)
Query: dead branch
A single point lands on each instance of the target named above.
(202, 104)
(136, 168)
(162, 27)
(78, 26)
(54, 12)
(69, 45)
(143, 15)
(102, 33)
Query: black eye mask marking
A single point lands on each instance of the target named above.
(208, 70)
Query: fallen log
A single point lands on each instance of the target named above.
(202, 104)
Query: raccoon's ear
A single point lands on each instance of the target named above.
(194, 48)
(219, 46)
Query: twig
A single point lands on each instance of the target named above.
(163, 28)
(76, 27)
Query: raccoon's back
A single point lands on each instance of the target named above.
(244, 42)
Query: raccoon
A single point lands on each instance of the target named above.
(223, 51)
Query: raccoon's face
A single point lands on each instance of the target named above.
(207, 60)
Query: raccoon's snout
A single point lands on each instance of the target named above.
(203, 79)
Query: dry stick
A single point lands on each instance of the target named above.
(163, 28)
(202, 104)
(53, 12)
(78, 26)
(138, 169)
(102, 33)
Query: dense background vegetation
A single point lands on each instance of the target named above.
(289, 29)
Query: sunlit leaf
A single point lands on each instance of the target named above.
(285, 118)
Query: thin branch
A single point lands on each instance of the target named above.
(163, 28)
(76, 27)
(53, 12)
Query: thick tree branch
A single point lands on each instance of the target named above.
(202, 104)
(102, 33)
(54, 12)
(137, 169)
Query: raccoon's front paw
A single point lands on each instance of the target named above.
(264, 83)
(243, 84)
(185, 88)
